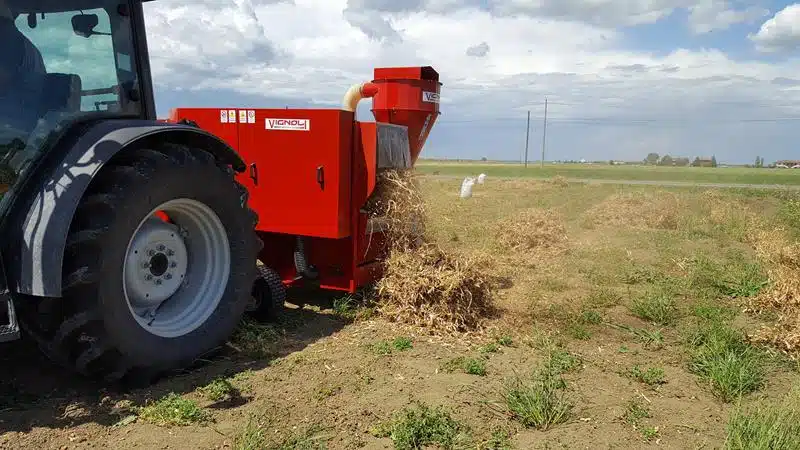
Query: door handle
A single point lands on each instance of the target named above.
(254, 173)
(321, 177)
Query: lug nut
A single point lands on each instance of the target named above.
(158, 281)
(161, 247)
(146, 265)
(170, 252)
(151, 253)
(168, 276)
(148, 277)
(173, 264)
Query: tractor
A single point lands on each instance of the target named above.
(134, 245)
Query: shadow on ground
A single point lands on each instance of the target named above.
(36, 393)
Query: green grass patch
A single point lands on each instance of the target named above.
(174, 410)
(218, 389)
(789, 213)
(255, 339)
(498, 440)
(470, 366)
(652, 376)
(561, 361)
(656, 307)
(642, 275)
(650, 433)
(540, 401)
(722, 357)
(382, 348)
(420, 426)
(635, 411)
(712, 312)
(603, 297)
(649, 338)
(505, 341)
(580, 332)
(737, 277)
(306, 439)
(591, 317)
(386, 348)
(766, 425)
(252, 437)
(346, 307)
(402, 343)
(489, 348)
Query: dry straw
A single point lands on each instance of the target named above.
(531, 229)
(782, 256)
(422, 284)
(659, 210)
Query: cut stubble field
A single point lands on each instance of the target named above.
(624, 317)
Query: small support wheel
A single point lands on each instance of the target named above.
(269, 295)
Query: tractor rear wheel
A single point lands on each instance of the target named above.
(158, 268)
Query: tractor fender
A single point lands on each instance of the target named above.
(36, 260)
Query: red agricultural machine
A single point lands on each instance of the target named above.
(310, 172)
(133, 245)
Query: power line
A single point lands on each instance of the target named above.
(628, 121)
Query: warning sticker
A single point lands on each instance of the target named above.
(242, 116)
(223, 116)
(287, 124)
(430, 97)
(251, 116)
(232, 115)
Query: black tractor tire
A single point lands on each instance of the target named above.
(91, 329)
(269, 296)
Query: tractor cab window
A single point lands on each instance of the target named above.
(85, 64)
(60, 61)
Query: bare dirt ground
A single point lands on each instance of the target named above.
(618, 327)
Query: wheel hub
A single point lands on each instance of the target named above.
(156, 266)
(176, 272)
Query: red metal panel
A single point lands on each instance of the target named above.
(299, 165)
(303, 170)
(364, 179)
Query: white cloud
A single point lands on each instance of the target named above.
(611, 13)
(478, 51)
(781, 32)
(614, 99)
(710, 15)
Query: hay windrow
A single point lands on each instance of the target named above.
(423, 284)
(659, 210)
(782, 257)
(559, 181)
(430, 288)
(531, 229)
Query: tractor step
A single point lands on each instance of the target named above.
(9, 331)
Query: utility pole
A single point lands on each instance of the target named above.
(544, 132)
(527, 138)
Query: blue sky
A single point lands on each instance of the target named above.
(623, 77)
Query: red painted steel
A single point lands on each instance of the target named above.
(408, 96)
(309, 172)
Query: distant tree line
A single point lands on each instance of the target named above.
(654, 159)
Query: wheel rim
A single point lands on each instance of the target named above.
(175, 272)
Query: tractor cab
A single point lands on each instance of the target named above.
(63, 62)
